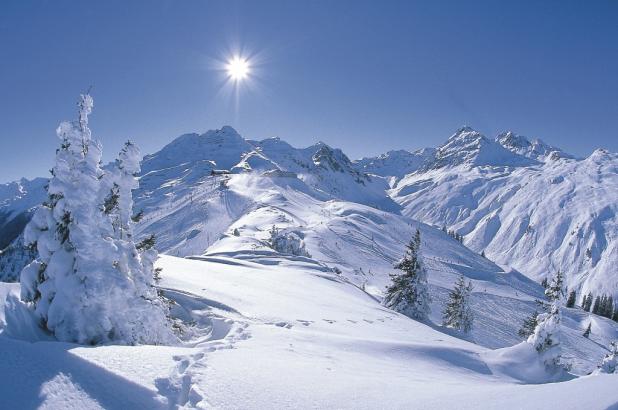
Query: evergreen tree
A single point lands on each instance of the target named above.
(408, 292)
(587, 331)
(588, 302)
(615, 315)
(529, 325)
(571, 300)
(602, 306)
(597, 305)
(546, 336)
(609, 307)
(78, 285)
(555, 288)
(136, 261)
(458, 312)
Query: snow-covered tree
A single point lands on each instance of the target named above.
(529, 325)
(458, 312)
(546, 336)
(136, 261)
(555, 288)
(610, 361)
(408, 292)
(287, 242)
(84, 285)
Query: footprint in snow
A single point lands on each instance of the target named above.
(179, 389)
(304, 322)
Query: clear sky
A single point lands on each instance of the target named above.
(363, 76)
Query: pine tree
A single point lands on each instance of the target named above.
(136, 261)
(602, 306)
(609, 307)
(78, 285)
(555, 288)
(597, 305)
(615, 315)
(588, 303)
(571, 300)
(587, 331)
(409, 293)
(458, 312)
(529, 325)
(546, 336)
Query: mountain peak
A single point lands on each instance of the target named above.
(225, 146)
(335, 159)
(468, 146)
(467, 133)
(535, 149)
(509, 139)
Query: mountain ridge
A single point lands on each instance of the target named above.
(464, 184)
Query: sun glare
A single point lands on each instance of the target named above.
(238, 68)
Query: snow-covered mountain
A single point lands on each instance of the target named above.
(219, 204)
(396, 163)
(302, 301)
(536, 149)
(17, 199)
(525, 204)
(536, 209)
(17, 202)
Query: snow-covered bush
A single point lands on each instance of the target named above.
(89, 284)
(546, 336)
(458, 312)
(289, 242)
(610, 361)
(408, 293)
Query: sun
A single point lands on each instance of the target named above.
(237, 68)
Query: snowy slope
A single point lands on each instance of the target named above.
(554, 213)
(183, 188)
(526, 204)
(189, 208)
(274, 332)
(17, 202)
(360, 242)
(273, 329)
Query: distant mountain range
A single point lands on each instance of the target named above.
(523, 203)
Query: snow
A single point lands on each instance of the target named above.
(557, 215)
(300, 324)
(397, 163)
(526, 204)
(280, 332)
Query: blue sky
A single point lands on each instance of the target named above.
(363, 76)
